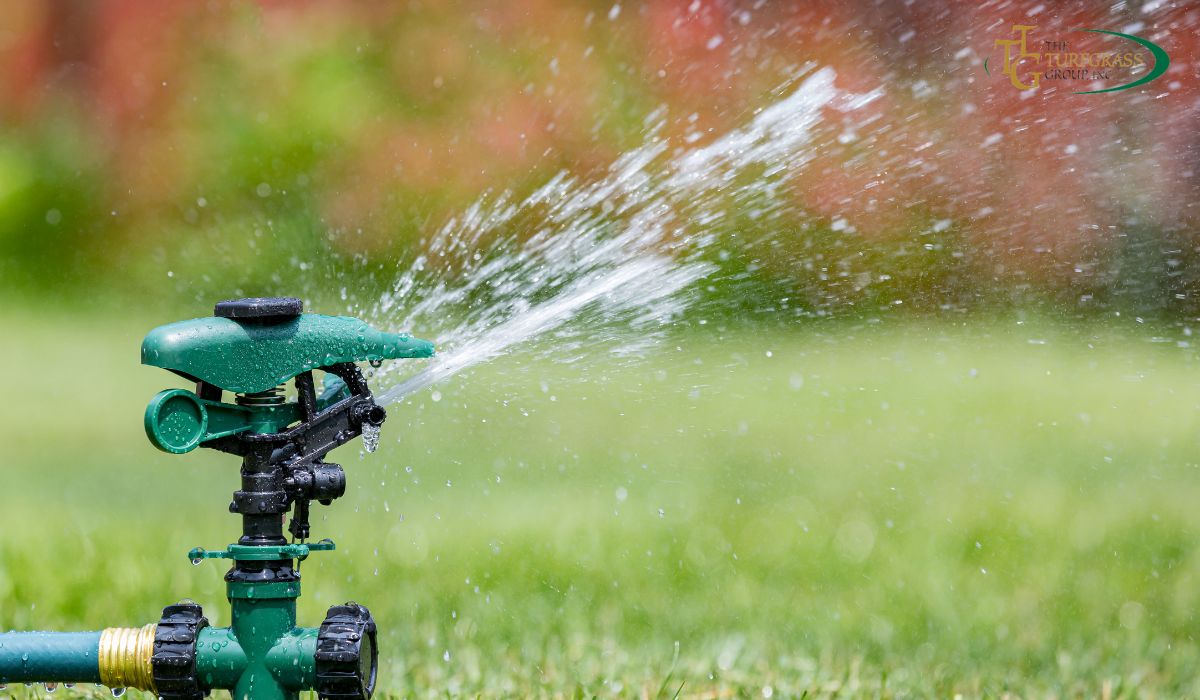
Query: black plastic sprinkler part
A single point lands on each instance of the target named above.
(249, 349)
(261, 309)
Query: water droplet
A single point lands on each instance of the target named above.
(117, 692)
(370, 436)
(196, 561)
(51, 687)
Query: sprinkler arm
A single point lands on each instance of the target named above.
(253, 355)
(194, 421)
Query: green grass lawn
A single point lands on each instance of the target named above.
(917, 511)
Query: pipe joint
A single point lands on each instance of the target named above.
(124, 657)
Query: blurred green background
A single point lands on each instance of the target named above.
(866, 512)
(987, 489)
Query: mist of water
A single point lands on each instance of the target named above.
(598, 265)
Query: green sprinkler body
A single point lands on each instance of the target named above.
(250, 348)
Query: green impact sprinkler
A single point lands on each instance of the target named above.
(250, 348)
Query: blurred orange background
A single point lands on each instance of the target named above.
(228, 143)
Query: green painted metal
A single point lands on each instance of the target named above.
(262, 589)
(221, 662)
(178, 421)
(293, 659)
(58, 657)
(241, 552)
(259, 623)
(244, 356)
(262, 654)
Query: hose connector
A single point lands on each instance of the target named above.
(124, 657)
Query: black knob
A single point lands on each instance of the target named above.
(173, 663)
(260, 308)
(347, 659)
(328, 483)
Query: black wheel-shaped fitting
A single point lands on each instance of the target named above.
(174, 659)
(347, 658)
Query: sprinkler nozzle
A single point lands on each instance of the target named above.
(370, 414)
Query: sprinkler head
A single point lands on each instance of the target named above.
(250, 348)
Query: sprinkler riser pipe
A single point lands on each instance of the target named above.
(263, 615)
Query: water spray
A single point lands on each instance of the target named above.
(250, 349)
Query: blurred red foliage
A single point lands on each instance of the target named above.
(375, 106)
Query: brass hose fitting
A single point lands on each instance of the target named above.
(125, 657)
